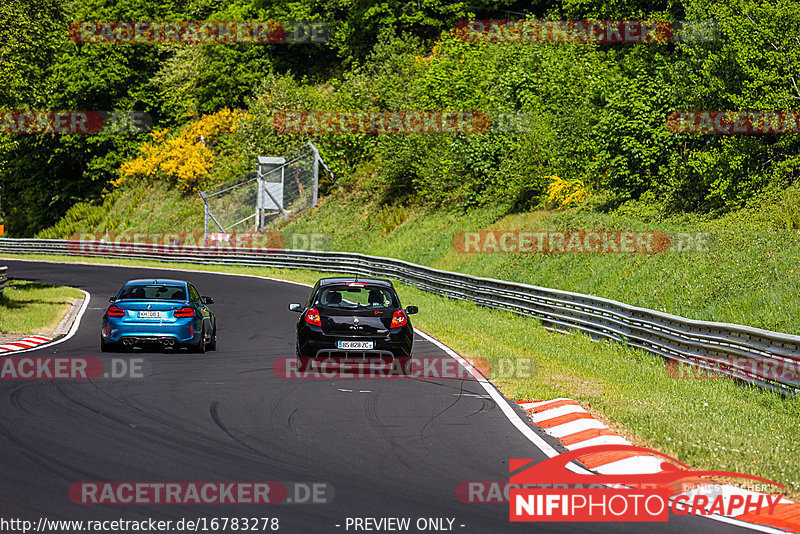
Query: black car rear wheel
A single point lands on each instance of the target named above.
(107, 347)
(213, 344)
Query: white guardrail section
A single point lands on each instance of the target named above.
(760, 357)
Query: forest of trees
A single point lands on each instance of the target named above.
(594, 111)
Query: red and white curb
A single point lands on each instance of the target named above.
(25, 343)
(575, 428)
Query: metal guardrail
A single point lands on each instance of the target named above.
(3, 278)
(760, 357)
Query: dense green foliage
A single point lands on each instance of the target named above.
(594, 112)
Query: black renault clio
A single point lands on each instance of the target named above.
(349, 317)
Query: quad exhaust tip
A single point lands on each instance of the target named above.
(165, 341)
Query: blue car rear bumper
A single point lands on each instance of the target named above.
(115, 331)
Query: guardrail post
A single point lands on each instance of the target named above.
(3, 278)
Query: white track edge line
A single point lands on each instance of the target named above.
(526, 430)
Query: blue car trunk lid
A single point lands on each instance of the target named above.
(165, 308)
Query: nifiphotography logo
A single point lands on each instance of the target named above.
(626, 497)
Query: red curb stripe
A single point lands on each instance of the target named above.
(17, 344)
(24, 343)
(561, 419)
(583, 435)
(551, 405)
(786, 516)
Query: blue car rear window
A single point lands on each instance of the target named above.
(152, 292)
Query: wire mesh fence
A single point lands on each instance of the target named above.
(280, 187)
(231, 205)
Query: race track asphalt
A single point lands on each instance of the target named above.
(383, 448)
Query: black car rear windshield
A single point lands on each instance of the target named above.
(357, 297)
(152, 292)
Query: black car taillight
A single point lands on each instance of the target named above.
(113, 311)
(398, 319)
(186, 311)
(312, 317)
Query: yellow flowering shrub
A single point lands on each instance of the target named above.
(564, 193)
(184, 159)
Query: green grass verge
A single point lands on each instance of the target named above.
(749, 275)
(708, 424)
(34, 308)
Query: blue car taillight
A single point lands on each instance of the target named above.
(113, 311)
(186, 311)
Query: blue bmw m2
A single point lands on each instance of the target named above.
(165, 313)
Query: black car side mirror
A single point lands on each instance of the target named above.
(206, 300)
(411, 310)
(295, 307)
(112, 299)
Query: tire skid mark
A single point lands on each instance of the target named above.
(214, 411)
(92, 409)
(46, 461)
(192, 441)
(15, 398)
(486, 406)
(370, 410)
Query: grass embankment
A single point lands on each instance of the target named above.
(143, 208)
(750, 275)
(709, 424)
(34, 308)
